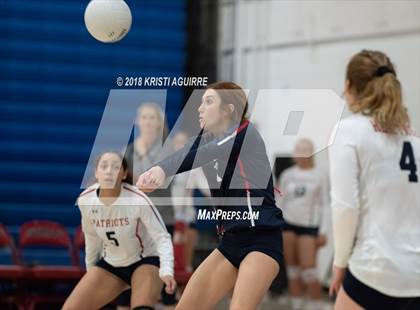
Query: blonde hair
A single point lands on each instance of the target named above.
(160, 115)
(372, 79)
(303, 148)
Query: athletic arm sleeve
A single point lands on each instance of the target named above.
(93, 243)
(155, 226)
(344, 180)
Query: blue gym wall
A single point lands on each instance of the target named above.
(54, 82)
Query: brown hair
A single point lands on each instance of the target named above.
(231, 93)
(373, 81)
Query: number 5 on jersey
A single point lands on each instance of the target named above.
(109, 235)
(408, 162)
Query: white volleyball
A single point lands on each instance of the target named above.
(108, 21)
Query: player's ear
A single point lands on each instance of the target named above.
(231, 108)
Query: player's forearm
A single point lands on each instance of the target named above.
(344, 180)
(195, 155)
(177, 162)
(166, 255)
(344, 223)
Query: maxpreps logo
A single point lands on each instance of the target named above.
(309, 113)
(205, 215)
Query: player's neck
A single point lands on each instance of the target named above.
(306, 166)
(108, 195)
(222, 128)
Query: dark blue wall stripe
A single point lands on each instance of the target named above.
(54, 83)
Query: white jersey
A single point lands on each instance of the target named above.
(305, 196)
(182, 193)
(126, 231)
(376, 206)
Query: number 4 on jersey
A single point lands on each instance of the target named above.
(407, 162)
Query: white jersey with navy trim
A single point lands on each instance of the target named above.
(305, 196)
(125, 231)
(376, 206)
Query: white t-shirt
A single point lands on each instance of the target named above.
(376, 206)
(305, 196)
(126, 231)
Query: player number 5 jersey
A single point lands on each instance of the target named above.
(125, 231)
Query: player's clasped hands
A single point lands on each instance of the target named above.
(151, 179)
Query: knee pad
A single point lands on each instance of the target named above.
(143, 308)
(310, 275)
(293, 272)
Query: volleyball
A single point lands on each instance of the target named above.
(108, 21)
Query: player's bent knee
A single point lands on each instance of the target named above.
(310, 275)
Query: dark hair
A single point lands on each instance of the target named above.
(231, 93)
(124, 164)
(373, 80)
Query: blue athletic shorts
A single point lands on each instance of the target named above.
(125, 273)
(301, 230)
(236, 245)
(371, 299)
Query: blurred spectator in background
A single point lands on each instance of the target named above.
(140, 155)
(304, 203)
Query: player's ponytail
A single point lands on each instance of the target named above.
(373, 81)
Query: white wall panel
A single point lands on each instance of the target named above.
(226, 22)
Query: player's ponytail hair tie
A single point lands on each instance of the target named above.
(382, 70)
